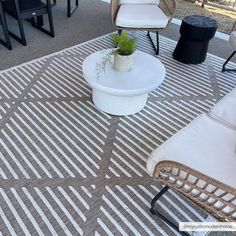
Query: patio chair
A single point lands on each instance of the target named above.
(232, 41)
(6, 42)
(70, 9)
(147, 15)
(201, 165)
(29, 9)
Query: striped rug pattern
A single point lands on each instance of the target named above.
(68, 169)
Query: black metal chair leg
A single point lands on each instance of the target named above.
(7, 42)
(50, 19)
(53, 3)
(226, 62)
(155, 47)
(31, 15)
(40, 20)
(158, 196)
(157, 38)
(50, 32)
(157, 213)
(22, 38)
(70, 9)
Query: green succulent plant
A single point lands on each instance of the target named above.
(126, 45)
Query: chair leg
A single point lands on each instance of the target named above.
(20, 39)
(157, 38)
(70, 9)
(155, 47)
(7, 42)
(50, 19)
(226, 62)
(154, 211)
(40, 20)
(50, 32)
(54, 3)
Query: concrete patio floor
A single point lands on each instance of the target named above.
(91, 20)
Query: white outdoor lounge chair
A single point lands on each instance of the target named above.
(148, 15)
(200, 162)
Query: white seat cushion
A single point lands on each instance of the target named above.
(225, 109)
(140, 2)
(232, 39)
(141, 16)
(204, 145)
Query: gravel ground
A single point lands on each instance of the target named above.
(225, 18)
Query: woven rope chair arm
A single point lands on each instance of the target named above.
(168, 7)
(114, 7)
(216, 198)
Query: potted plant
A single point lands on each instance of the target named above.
(124, 54)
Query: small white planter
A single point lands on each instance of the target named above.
(123, 63)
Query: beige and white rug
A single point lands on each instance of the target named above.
(68, 169)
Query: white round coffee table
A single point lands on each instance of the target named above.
(122, 93)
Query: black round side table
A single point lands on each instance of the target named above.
(196, 32)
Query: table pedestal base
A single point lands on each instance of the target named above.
(190, 52)
(117, 104)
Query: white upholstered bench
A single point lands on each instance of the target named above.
(200, 161)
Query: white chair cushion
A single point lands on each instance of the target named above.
(204, 145)
(225, 109)
(140, 2)
(141, 16)
(232, 39)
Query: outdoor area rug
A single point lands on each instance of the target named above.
(67, 168)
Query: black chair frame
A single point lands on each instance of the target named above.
(226, 62)
(6, 42)
(31, 14)
(154, 211)
(70, 8)
(155, 47)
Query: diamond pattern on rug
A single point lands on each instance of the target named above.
(45, 210)
(67, 168)
(184, 80)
